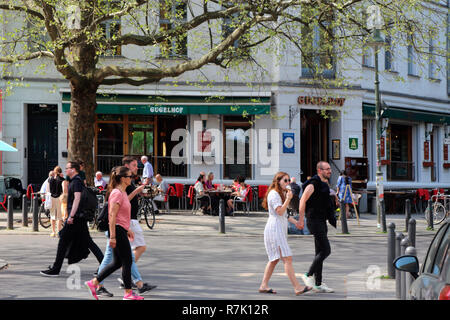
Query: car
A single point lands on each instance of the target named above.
(433, 281)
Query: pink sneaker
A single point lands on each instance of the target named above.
(92, 288)
(132, 296)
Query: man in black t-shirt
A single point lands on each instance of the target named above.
(315, 202)
(75, 233)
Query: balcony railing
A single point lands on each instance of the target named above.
(400, 171)
(162, 165)
(167, 167)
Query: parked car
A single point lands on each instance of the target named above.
(433, 282)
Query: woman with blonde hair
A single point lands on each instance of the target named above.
(55, 188)
(276, 201)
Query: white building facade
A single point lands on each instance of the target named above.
(312, 124)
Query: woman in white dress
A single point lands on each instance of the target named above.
(275, 233)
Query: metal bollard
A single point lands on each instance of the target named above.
(430, 215)
(404, 244)
(343, 218)
(398, 238)
(409, 278)
(35, 213)
(412, 232)
(24, 211)
(222, 216)
(391, 251)
(383, 215)
(407, 213)
(10, 213)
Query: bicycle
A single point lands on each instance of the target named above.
(146, 208)
(100, 204)
(43, 214)
(440, 210)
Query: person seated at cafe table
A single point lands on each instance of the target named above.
(201, 195)
(239, 194)
(209, 182)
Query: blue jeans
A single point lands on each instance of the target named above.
(107, 259)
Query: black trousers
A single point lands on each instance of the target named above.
(318, 228)
(67, 235)
(122, 258)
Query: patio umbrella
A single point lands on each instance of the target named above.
(6, 147)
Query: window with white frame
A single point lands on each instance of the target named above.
(432, 70)
(412, 70)
(239, 48)
(388, 54)
(111, 30)
(318, 52)
(171, 15)
(367, 58)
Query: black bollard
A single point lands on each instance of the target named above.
(430, 215)
(398, 238)
(407, 213)
(412, 232)
(391, 250)
(10, 213)
(404, 244)
(409, 278)
(343, 218)
(222, 216)
(24, 211)
(383, 215)
(35, 213)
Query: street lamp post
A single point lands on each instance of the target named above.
(375, 22)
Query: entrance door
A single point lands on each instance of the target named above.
(314, 141)
(42, 141)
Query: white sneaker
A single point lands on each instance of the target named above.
(308, 281)
(323, 288)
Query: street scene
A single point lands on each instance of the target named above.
(224, 150)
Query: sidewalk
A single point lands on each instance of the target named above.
(181, 223)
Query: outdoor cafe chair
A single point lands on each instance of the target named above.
(246, 201)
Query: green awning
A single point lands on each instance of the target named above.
(408, 114)
(147, 105)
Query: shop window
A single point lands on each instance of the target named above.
(171, 15)
(399, 147)
(109, 146)
(236, 147)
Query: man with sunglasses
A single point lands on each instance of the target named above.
(315, 201)
(75, 233)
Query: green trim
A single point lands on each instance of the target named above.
(141, 104)
(130, 99)
(178, 109)
(408, 114)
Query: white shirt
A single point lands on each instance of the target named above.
(148, 170)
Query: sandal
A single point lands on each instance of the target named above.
(267, 291)
(306, 289)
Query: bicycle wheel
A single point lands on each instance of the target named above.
(149, 215)
(44, 217)
(438, 213)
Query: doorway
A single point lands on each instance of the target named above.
(314, 141)
(42, 142)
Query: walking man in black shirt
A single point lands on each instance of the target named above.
(316, 203)
(75, 240)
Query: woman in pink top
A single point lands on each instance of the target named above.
(120, 233)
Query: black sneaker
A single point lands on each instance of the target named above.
(101, 291)
(146, 287)
(122, 285)
(50, 272)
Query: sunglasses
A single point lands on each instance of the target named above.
(286, 180)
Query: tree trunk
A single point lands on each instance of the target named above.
(81, 125)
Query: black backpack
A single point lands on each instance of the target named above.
(103, 219)
(88, 204)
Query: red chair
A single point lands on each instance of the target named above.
(262, 190)
(170, 192)
(246, 201)
(179, 192)
(5, 198)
